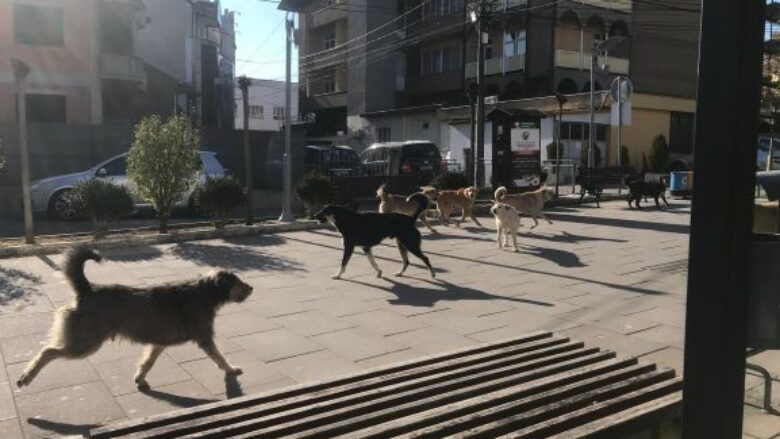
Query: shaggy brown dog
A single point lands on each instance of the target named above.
(389, 203)
(462, 199)
(529, 203)
(159, 317)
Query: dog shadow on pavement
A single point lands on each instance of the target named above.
(234, 257)
(61, 428)
(561, 257)
(18, 286)
(425, 297)
(175, 400)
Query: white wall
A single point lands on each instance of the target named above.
(268, 94)
(162, 41)
(460, 139)
(572, 149)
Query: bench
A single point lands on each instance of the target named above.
(593, 181)
(537, 385)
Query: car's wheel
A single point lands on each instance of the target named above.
(60, 206)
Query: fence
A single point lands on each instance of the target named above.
(567, 173)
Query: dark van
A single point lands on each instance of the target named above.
(414, 158)
(332, 160)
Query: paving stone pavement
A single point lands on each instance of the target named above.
(612, 277)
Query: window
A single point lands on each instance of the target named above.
(441, 8)
(115, 27)
(330, 41)
(681, 133)
(439, 60)
(514, 43)
(278, 113)
(45, 108)
(383, 134)
(256, 112)
(329, 83)
(115, 167)
(38, 25)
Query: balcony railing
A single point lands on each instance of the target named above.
(615, 5)
(329, 15)
(573, 59)
(122, 67)
(498, 66)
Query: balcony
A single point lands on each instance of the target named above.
(497, 66)
(573, 59)
(614, 5)
(122, 67)
(327, 16)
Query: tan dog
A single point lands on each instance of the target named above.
(529, 203)
(507, 224)
(389, 203)
(462, 199)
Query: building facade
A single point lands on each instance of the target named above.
(377, 69)
(266, 105)
(99, 62)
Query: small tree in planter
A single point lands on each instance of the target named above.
(660, 158)
(315, 190)
(586, 153)
(450, 181)
(102, 201)
(218, 197)
(553, 152)
(162, 162)
(625, 159)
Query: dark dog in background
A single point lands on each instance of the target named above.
(639, 189)
(367, 230)
(158, 317)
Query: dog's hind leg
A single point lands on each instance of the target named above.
(542, 216)
(151, 354)
(213, 352)
(372, 261)
(348, 249)
(44, 357)
(414, 247)
(404, 256)
(424, 220)
(474, 218)
(663, 197)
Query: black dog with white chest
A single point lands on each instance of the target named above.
(367, 230)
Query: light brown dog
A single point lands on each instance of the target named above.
(462, 199)
(529, 203)
(389, 203)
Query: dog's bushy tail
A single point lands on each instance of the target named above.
(422, 204)
(381, 193)
(74, 268)
(500, 193)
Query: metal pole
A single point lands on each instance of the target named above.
(287, 195)
(479, 169)
(244, 83)
(21, 70)
(591, 142)
(728, 99)
(620, 129)
(558, 144)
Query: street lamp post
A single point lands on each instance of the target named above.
(243, 84)
(598, 49)
(21, 71)
(287, 195)
(561, 100)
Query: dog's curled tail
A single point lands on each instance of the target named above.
(500, 193)
(381, 193)
(74, 268)
(422, 204)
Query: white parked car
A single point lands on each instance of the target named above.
(49, 195)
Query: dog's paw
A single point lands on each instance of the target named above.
(234, 370)
(23, 381)
(142, 384)
(399, 274)
(336, 277)
(378, 274)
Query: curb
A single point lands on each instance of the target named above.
(267, 228)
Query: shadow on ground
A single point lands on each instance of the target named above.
(62, 428)
(175, 400)
(444, 291)
(234, 257)
(629, 224)
(560, 257)
(17, 286)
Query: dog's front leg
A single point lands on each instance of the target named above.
(373, 261)
(213, 352)
(348, 249)
(500, 237)
(514, 240)
(43, 358)
(542, 216)
(151, 354)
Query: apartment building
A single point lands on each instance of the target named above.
(266, 105)
(426, 52)
(98, 62)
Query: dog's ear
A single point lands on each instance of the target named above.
(224, 280)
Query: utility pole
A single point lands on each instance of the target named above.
(287, 194)
(21, 71)
(479, 16)
(591, 122)
(472, 92)
(243, 84)
(561, 100)
(620, 129)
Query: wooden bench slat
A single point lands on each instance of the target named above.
(124, 428)
(387, 402)
(668, 406)
(393, 382)
(535, 423)
(521, 397)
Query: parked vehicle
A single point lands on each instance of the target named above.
(419, 158)
(331, 160)
(50, 195)
(764, 143)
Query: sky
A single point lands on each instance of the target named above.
(260, 39)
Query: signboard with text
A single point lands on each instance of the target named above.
(525, 140)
